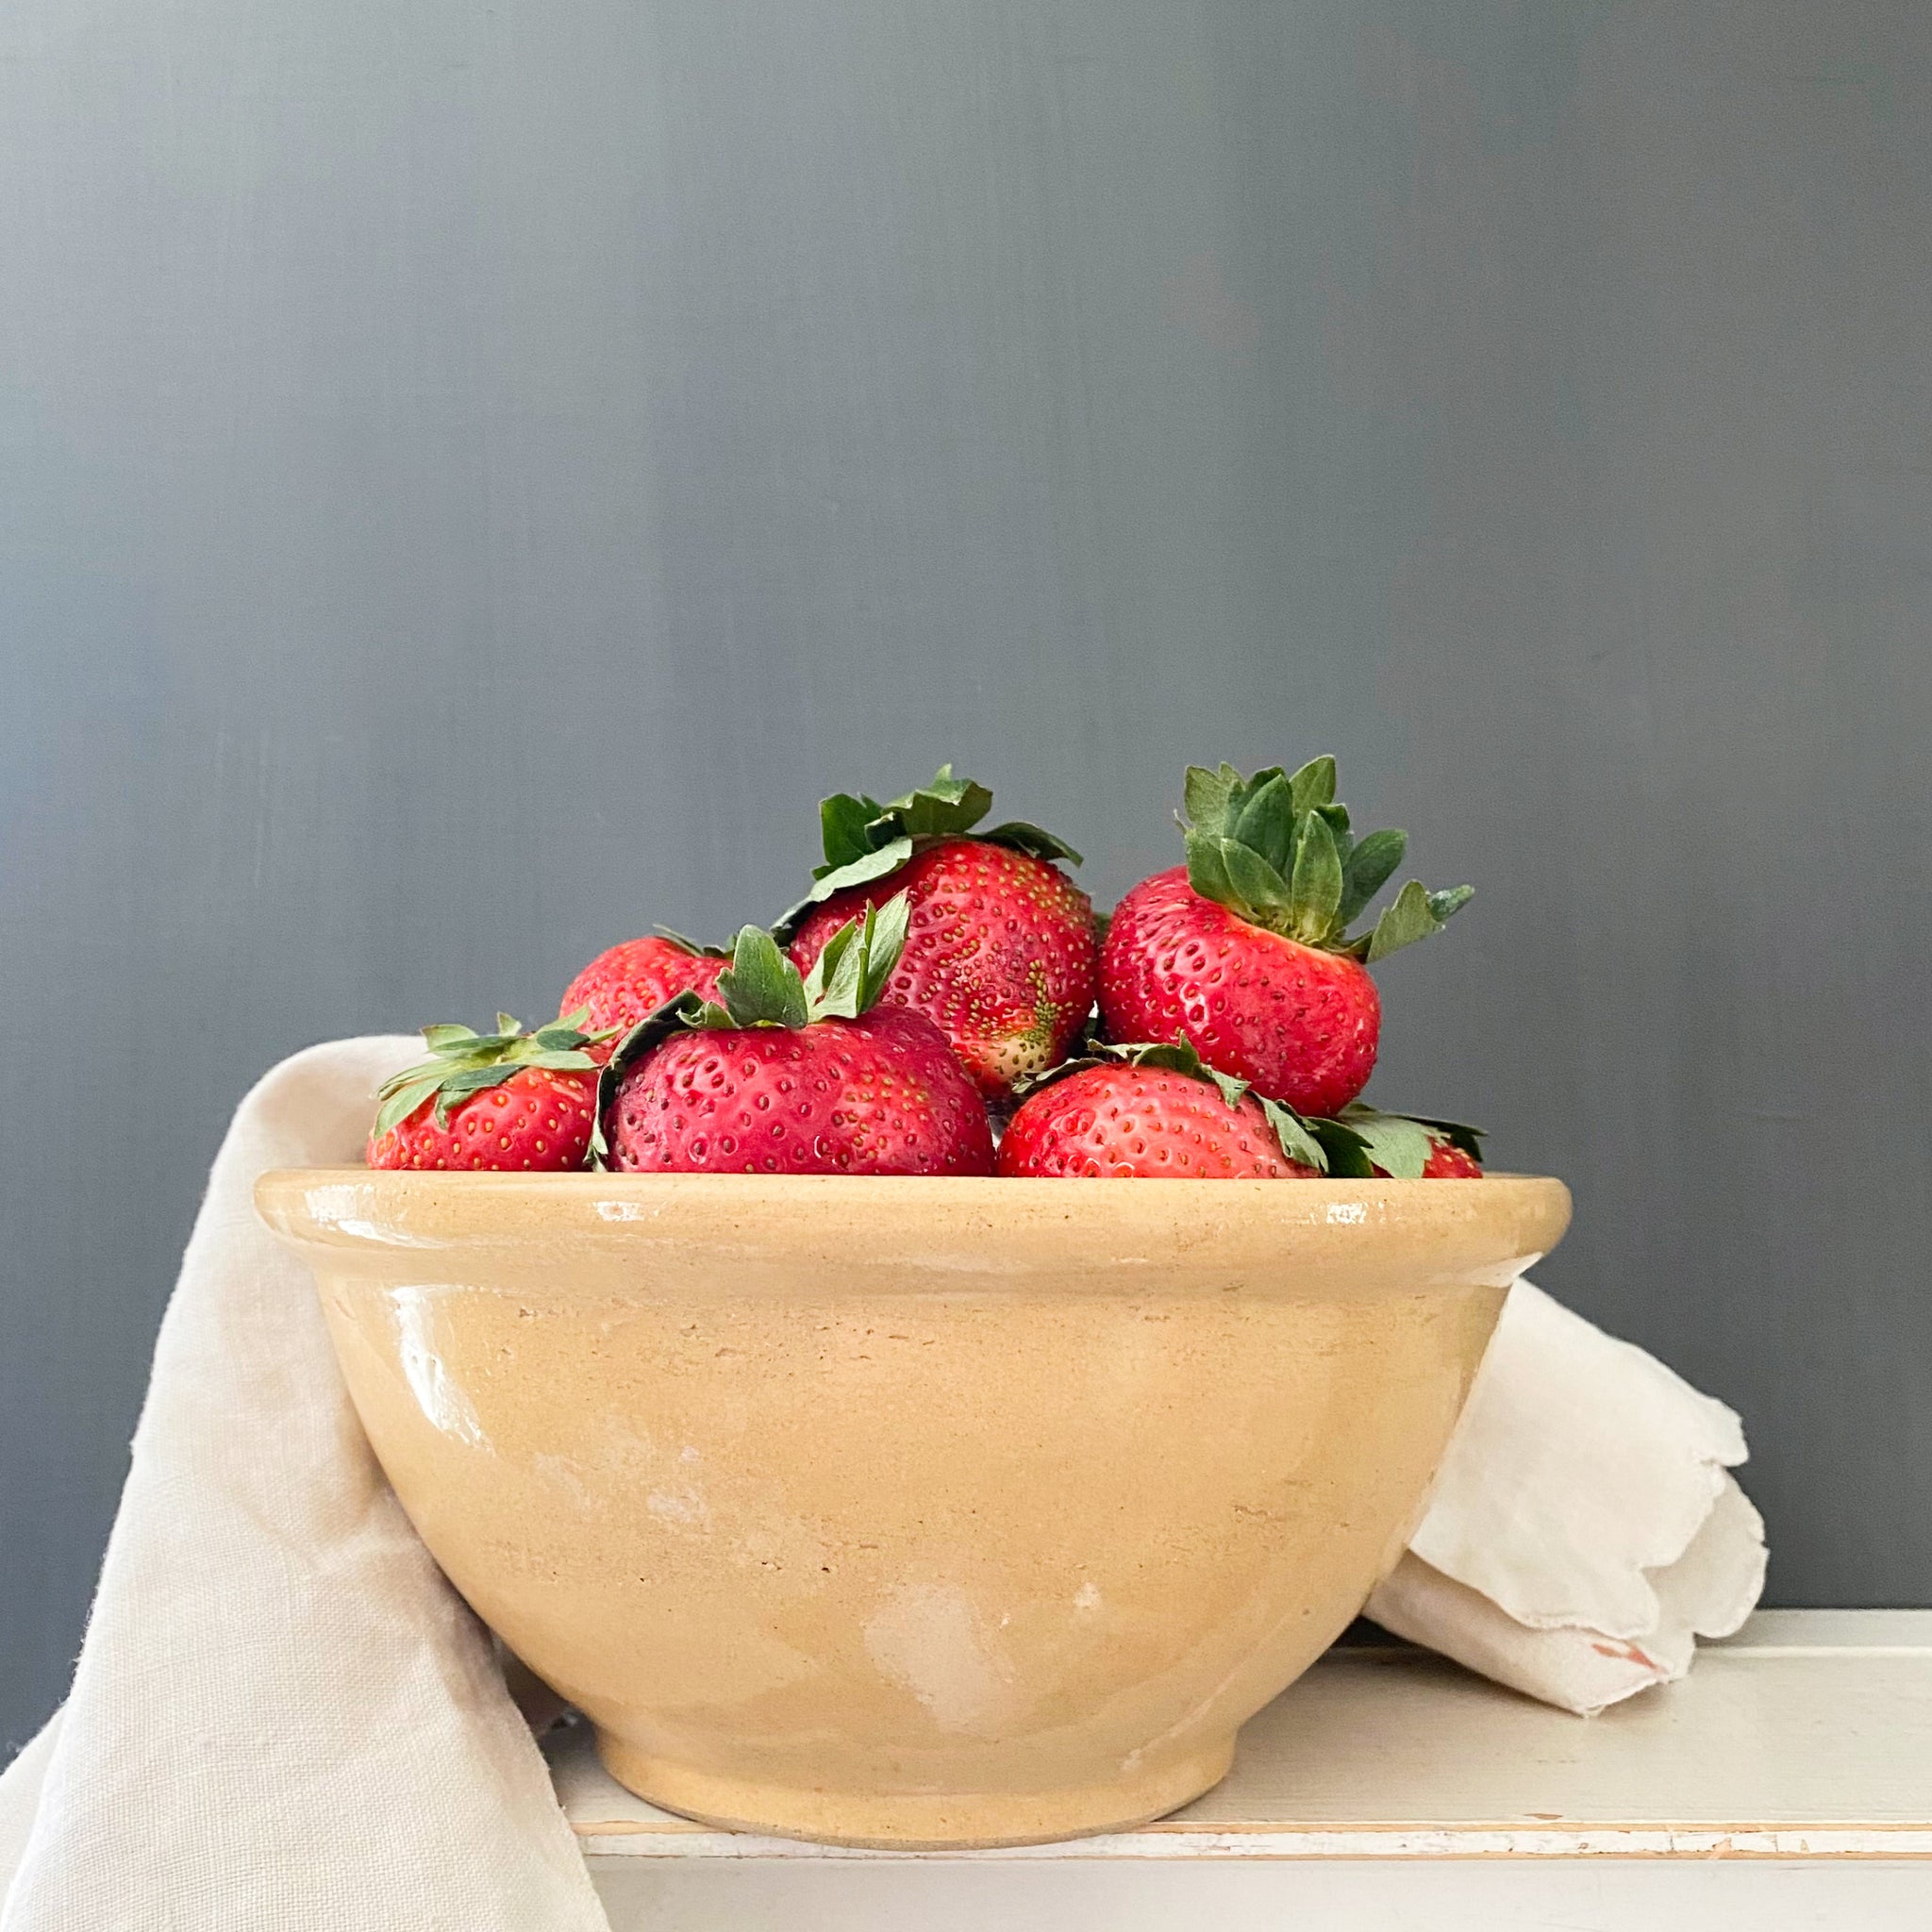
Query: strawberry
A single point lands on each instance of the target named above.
(1245, 951)
(507, 1099)
(795, 1076)
(1001, 953)
(1150, 1113)
(1157, 1113)
(631, 980)
(1447, 1162)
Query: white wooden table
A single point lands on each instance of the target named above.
(1787, 1782)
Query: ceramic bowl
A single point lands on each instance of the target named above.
(912, 1512)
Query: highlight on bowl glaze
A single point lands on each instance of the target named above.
(907, 1511)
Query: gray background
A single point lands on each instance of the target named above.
(469, 480)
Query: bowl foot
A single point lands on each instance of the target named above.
(916, 1821)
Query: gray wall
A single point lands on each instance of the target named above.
(471, 478)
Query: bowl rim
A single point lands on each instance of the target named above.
(971, 1221)
(575, 1177)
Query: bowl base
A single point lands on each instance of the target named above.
(913, 1822)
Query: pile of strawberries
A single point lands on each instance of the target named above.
(938, 981)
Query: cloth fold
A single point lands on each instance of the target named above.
(1585, 1529)
(285, 1719)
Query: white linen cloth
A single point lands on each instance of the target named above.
(1585, 1529)
(284, 1719)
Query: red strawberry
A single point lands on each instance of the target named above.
(631, 980)
(1300, 1024)
(507, 1099)
(1151, 1114)
(1000, 951)
(1245, 951)
(1450, 1163)
(795, 1076)
(1159, 1112)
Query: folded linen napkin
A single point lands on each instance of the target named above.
(284, 1718)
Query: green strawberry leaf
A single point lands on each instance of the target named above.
(1336, 818)
(761, 987)
(467, 1080)
(1207, 796)
(1399, 1147)
(1207, 873)
(1412, 916)
(1257, 883)
(1313, 785)
(1345, 1154)
(460, 1087)
(1018, 836)
(446, 1036)
(880, 945)
(848, 976)
(875, 865)
(842, 820)
(1231, 1090)
(1296, 1139)
(945, 808)
(1368, 869)
(835, 981)
(697, 948)
(1317, 888)
(1266, 825)
(562, 1035)
(401, 1097)
(1177, 1056)
(1400, 1144)
(1469, 1140)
